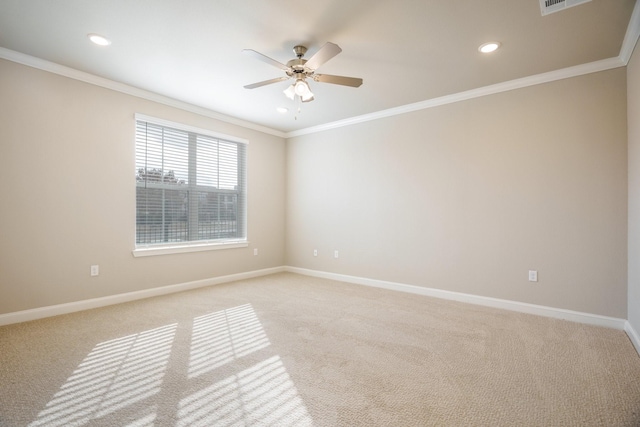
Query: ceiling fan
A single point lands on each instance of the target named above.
(299, 69)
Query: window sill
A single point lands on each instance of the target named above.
(194, 247)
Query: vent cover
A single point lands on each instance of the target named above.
(550, 6)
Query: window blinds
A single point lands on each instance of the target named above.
(190, 187)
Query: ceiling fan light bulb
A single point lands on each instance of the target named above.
(302, 88)
(290, 92)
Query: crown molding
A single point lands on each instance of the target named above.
(72, 73)
(631, 36)
(565, 73)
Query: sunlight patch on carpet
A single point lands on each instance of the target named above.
(221, 337)
(115, 374)
(126, 379)
(263, 394)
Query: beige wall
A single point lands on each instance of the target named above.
(466, 197)
(470, 196)
(633, 118)
(68, 197)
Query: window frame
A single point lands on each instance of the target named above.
(192, 245)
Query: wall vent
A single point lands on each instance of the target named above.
(550, 6)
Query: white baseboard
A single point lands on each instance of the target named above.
(55, 310)
(558, 313)
(540, 310)
(633, 335)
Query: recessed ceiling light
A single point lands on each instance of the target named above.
(99, 40)
(489, 47)
(282, 110)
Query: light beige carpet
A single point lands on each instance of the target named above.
(290, 350)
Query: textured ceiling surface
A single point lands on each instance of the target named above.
(406, 51)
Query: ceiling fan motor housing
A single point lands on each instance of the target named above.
(299, 50)
(296, 66)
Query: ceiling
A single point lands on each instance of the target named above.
(406, 51)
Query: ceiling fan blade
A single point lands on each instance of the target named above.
(266, 82)
(338, 80)
(264, 58)
(326, 52)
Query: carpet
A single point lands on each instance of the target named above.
(292, 350)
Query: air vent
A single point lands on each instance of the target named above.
(550, 6)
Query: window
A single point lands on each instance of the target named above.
(190, 187)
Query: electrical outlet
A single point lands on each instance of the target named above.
(95, 270)
(533, 275)
(335, 254)
(315, 252)
(255, 251)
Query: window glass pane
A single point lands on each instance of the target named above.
(207, 162)
(161, 154)
(228, 165)
(161, 215)
(175, 156)
(148, 215)
(149, 152)
(217, 215)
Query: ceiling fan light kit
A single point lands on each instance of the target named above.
(300, 69)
